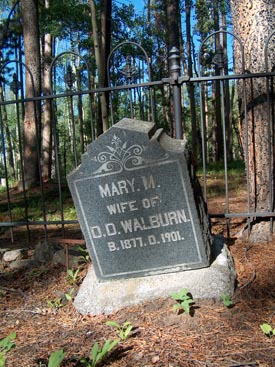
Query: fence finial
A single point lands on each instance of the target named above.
(174, 71)
(174, 64)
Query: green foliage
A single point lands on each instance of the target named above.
(267, 330)
(84, 254)
(56, 358)
(235, 168)
(70, 296)
(6, 344)
(61, 301)
(204, 18)
(73, 275)
(98, 354)
(123, 331)
(55, 304)
(64, 17)
(184, 301)
(227, 301)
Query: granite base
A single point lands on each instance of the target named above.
(95, 297)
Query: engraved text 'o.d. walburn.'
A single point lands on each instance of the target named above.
(135, 204)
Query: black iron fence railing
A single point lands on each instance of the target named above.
(222, 133)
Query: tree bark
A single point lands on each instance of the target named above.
(172, 26)
(47, 87)
(217, 125)
(253, 27)
(190, 86)
(101, 38)
(32, 109)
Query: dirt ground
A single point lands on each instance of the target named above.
(214, 336)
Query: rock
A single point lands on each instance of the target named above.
(44, 251)
(59, 258)
(95, 297)
(14, 255)
(2, 252)
(24, 263)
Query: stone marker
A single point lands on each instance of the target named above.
(135, 199)
(143, 217)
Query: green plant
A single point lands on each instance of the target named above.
(227, 301)
(56, 358)
(84, 254)
(73, 275)
(267, 330)
(98, 354)
(123, 330)
(70, 296)
(55, 304)
(6, 344)
(184, 301)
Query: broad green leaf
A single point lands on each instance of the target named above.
(175, 296)
(7, 343)
(126, 323)
(113, 323)
(56, 358)
(68, 297)
(226, 300)
(186, 307)
(70, 272)
(127, 331)
(2, 359)
(106, 347)
(181, 295)
(177, 306)
(113, 344)
(266, 328)
(94, 352)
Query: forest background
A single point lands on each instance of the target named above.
(43, 138)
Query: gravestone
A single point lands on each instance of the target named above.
(139, 206)
(144, 220)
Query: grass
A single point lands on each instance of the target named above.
(216, 179)
(235, 168)
(215, 187)
(34, 205)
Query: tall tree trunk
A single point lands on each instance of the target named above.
(101, 37)
(47, 87)
(80, 113)
(32, 114)
(190, 86)
(172, 26)
(217, 144)
(9, 148)
(228, 118)
(253, 27)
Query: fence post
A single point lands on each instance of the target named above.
(174, 71)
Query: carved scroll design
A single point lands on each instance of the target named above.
(121, 156)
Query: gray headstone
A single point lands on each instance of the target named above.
(139, 207)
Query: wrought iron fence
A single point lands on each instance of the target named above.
(46, 210)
